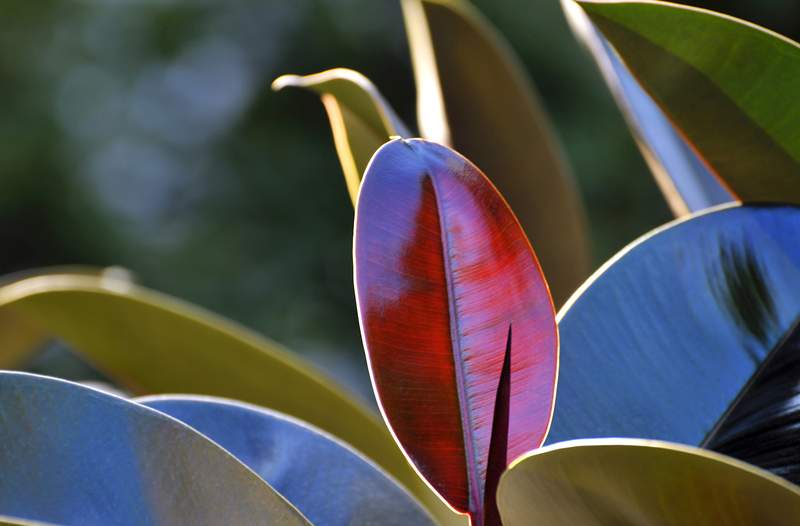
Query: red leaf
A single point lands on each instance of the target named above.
(443, 271)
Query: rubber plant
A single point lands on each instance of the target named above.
(676, 363)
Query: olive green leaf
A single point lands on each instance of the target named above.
(361, 119)
(730, 88)
(473, 95)
(152, 343)
(19, 338)
(637, 482)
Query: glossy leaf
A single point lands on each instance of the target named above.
(473, 95)
(664, 338)
(641, 483)
(447, 288)
(687, 184)
(762, 426)
(70, 454)
(14, 521)
(152, 343)
(325, 479)
(361, 119)
(729, 86)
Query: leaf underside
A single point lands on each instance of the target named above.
(641, 482)
(473, 95)
(443, 270)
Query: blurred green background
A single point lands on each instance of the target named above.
(144, 134)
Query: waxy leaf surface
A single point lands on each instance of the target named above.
(473, 95)
(670, 336)
(325, 479)
(448, 289)
(728, 86)
(152, 343)
(641, 483)
(70, 454)
(361, 120)
(762, 425)
(687, 184)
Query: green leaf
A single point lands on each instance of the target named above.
(19, 338)
(74, 455)
(686, 182)
(361, 119)
(152, 343)
(641, 482)
(473, 95)
(730, 87)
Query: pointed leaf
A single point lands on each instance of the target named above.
(664, 338)
(446, 281)
(361, 119)
(325, 479)
(152, 343)
(74, 455)
(641, 482)
(729, 86)
(687, 184)
(473, 95)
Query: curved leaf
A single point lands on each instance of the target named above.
(664, 338)
(74, 455)
(642, 483)
(449, 289)
(729, 86)
(473, 95)
(361, 119)
(15, 521)
(19, 337)
(152, 343)
(687, 184)
(325, 479)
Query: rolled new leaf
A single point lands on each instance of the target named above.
(683, 337)
(686, 182)
(729, 87)
(329, 482)
(641, 483)
(152, 343)
(70, 454)
(361, 119)
(473, 95)
(456, 319)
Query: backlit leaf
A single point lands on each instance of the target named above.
(152, 343)
(729, 87)
(361, 119)
(325, 479)
(641, 483)
(448, 289)
(473, 95)
(70, 454)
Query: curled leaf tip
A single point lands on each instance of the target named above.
(286, 80)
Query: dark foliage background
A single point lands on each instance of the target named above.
(144, 134)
